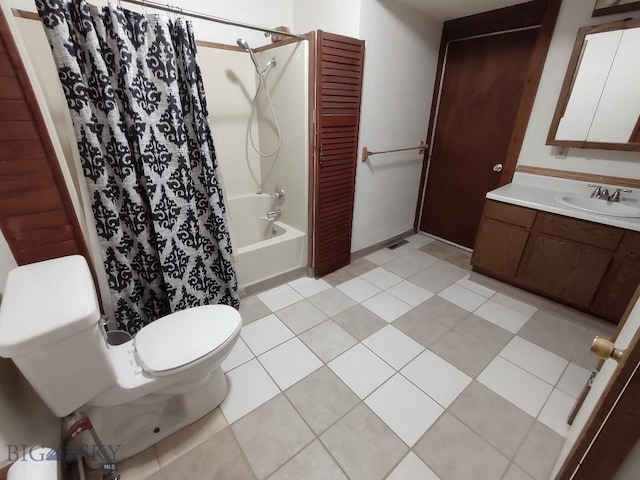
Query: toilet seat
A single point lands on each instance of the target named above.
(183, 339)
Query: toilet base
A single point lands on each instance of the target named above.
(130, 428)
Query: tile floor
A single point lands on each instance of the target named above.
(403, 366)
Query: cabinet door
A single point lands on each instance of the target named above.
(621, 281)
(563, 269)
(618, 286)
(499, 247)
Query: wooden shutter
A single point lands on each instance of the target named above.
(36, 213)
(339, 72)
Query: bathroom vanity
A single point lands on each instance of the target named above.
(529, 238)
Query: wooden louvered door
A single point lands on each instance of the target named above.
(36, 213)
(339, 69)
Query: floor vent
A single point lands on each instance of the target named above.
(397, 244)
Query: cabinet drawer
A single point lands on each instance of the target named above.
(507, 213)
(588, 233)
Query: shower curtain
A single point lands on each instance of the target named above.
(138, 106)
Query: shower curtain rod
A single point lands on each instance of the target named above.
(211, 18)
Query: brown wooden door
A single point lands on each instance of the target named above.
(484, 79)
(607, 425)
(338, 93)
(36, 213)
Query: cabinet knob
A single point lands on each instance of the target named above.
(603, 348)
(497, 167)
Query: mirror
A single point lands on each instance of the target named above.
(608, 7)
(599, 104)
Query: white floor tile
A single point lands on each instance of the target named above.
(393, 346)
(279, 297)
(573, 380)
(475, 287)
(380, 257)
(381, 278)
(502, 316)
(289, 363)
(361, 369)
(462, 297)
(406, 409)
(307, 286)
(436, 377)
(534, 359)
(412, 468)
(556, 412)
(265, 333)
(358, 289)
(516, 305)
(410, 293)
(524, 390)
(249, 387)
(386, 306)
(239, 354)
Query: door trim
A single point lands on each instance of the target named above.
(542, 13)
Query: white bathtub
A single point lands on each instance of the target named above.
(260, 254)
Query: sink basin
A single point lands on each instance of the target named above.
(596, 205)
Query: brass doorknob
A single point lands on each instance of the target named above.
(603, 348)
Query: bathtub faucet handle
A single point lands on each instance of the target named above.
(278, 195)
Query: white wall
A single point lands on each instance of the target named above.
(573, 15)
(335, 16)
(230, 83)
(288, 88)
(400, 64)
(401, 53)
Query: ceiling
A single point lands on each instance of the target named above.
(448, 9)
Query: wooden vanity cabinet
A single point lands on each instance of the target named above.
(593, 267)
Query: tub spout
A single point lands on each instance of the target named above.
(274, 214)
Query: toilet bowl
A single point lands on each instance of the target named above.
(135, 393)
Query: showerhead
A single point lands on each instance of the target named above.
(242, 43)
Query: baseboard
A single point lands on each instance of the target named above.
(389, 241)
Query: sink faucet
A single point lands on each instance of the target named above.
(274, 214)
(603, 193)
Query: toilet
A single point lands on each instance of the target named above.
(135, 393)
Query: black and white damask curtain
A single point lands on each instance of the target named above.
(139, 112)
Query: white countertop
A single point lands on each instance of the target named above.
(537, 192)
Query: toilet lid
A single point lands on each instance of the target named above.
(184, 337)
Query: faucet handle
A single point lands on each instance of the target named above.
(597, 193)
(278, 195)
(616, 195)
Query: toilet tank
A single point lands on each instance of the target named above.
(49, 326)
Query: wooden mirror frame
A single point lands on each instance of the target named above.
(610, 10)
(567, 86)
